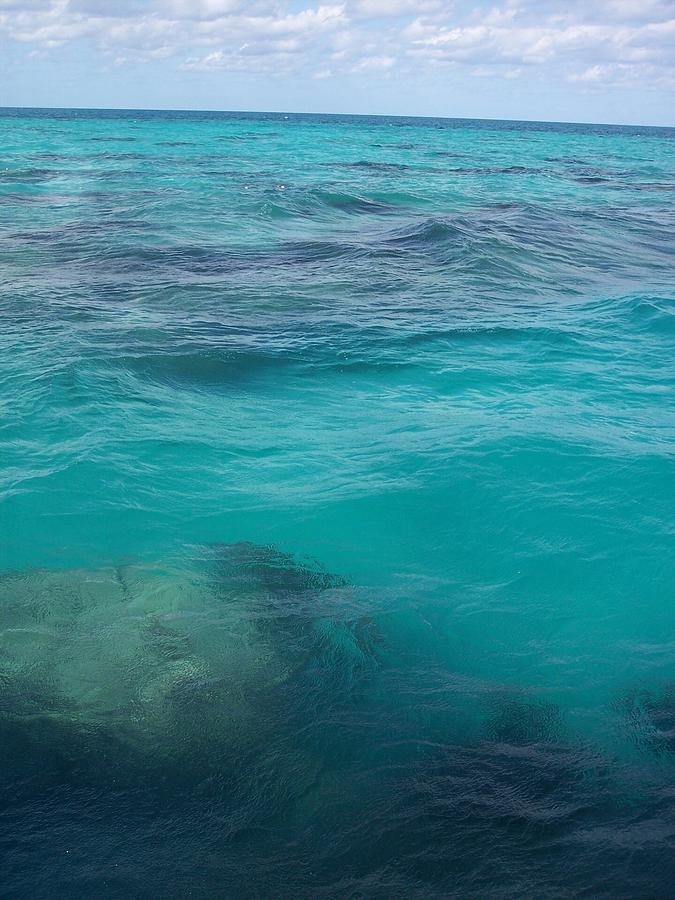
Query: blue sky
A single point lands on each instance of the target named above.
(597, 60)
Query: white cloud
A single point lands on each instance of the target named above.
(564, 39)
(520, 41)
(374, 64)
(593, 73)
(384, 9)
(24, 5)
(200, 9)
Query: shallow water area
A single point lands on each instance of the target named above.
(336, 497)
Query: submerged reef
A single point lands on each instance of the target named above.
(166, 663)
(147, 664)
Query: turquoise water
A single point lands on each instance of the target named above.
(338, 494)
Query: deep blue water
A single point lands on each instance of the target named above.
(337, 494)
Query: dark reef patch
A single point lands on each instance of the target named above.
(650, 716)
(520, 721)
(207, 370)
(266, 567)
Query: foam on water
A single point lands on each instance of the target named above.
(337, 488)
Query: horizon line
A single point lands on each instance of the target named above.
(332, 114)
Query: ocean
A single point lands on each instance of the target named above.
(337, 520)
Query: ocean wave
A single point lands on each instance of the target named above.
(251, 343)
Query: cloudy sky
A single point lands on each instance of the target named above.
(579, 60)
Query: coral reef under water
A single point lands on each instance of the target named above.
(165, 662)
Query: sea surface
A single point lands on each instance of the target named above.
(337, 520)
